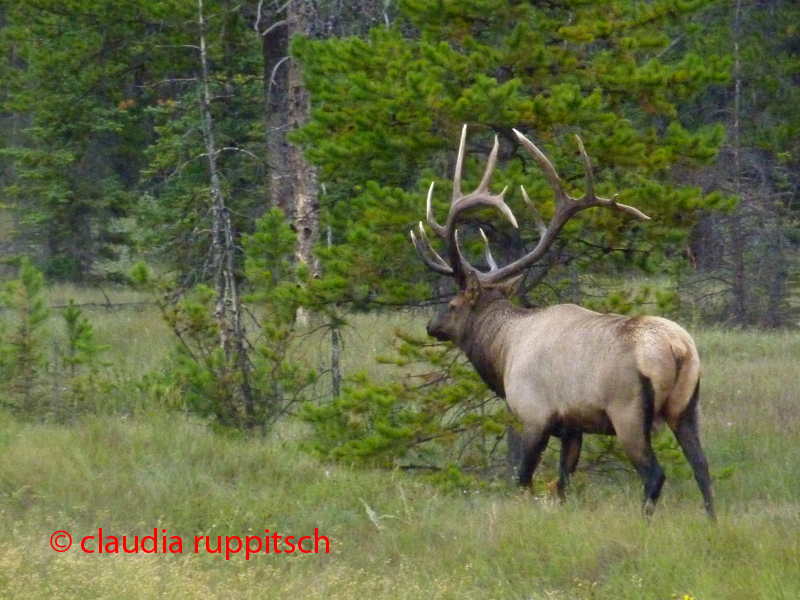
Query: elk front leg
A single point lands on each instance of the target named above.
(571, 442)
(534, 442)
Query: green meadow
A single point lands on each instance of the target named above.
(392, 535)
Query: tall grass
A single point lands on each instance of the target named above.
(129, 476)
(393, 536)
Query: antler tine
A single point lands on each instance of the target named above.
(589, 198)
(459, 165)
(488, 252)
(549, 170)
(631, 210)
(483, 188)
(429, 246)
(540, 226)
(440, 231)
(428, 255)
(587, 169)
(480, 198)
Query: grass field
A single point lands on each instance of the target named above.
(391, 535)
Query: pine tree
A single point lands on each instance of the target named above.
(21, 347)
(387, 112)
(75, 80)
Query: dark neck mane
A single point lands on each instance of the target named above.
(484, 344)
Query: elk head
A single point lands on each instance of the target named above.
(479, 289)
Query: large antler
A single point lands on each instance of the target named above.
(458, 266)
(566, 207)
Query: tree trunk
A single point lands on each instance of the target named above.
(739, 299)
(336, 345)
(292, 179)
(274, 47)
(778, 273)
(227, 303)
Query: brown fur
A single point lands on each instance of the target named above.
(565, 370)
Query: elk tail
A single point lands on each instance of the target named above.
(687, 377)
(678, 358)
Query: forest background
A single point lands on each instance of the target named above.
(254, 165)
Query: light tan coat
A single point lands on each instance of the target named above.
(566, 371)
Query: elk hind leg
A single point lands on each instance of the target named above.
(534, 442)
(571, 442)
(633, 429)
(687, 433)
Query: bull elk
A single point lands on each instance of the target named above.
(565, 370)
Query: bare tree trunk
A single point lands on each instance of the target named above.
(336, 345)
(739, 300)
(227, 304)
(774, 316)
(217, 199)
(274, 46)
(306, 201)
(293, 185)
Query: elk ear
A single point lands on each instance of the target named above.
(473, 288)
(507, 287)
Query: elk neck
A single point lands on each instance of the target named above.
(485, 340)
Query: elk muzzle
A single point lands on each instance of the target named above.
(438, 325)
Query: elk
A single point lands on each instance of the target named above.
(565, 370)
